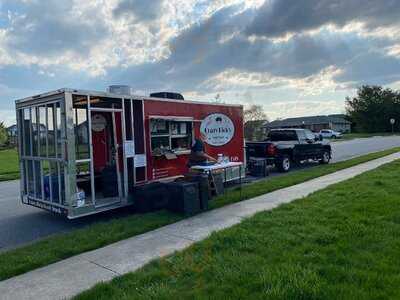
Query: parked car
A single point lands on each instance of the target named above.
(283, 147)
(330, 134)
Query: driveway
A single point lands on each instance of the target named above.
(21, 224)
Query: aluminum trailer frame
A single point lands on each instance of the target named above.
(47, 151)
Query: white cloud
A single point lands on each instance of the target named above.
(7, 117)
(125, 43)
(287, 109)
(234, 79)
(394, 50)
(203, 48)
(5, 58)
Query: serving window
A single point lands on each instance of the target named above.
(170, 135)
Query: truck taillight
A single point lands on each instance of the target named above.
(271, 150)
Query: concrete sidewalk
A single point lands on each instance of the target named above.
(76, 274)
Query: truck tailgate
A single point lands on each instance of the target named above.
(257, 149)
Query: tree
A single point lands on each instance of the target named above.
(372, 109)
(217, 98)
(254, 119)
(3, 134)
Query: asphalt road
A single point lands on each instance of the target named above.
(22, 224)
(348, 149)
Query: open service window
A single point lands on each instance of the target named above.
(170, 135)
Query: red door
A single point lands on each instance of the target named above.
(103, 140)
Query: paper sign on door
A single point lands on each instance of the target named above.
(129, 148)
(140, 160)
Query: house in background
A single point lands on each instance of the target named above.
(12, 133)
(315, 123)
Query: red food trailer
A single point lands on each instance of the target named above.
(82, 152)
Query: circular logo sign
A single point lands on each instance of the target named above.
(98, 122)
(218, 129)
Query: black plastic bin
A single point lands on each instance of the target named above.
(109, 181)
(258, 167)
(204, 188)
(150, 197)
(184, 197)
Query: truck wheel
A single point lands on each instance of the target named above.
(326, 157)
(284, 164)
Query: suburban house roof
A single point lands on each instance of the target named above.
(256, 122)
(12, 127)
(307, 121)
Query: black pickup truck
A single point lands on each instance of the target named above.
(283, 147)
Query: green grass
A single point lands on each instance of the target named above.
(65, 245)
(61, 246)
(340, 243)
(352, 136)
(9, 168)
(279, 182)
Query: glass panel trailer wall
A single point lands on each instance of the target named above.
(42, 136)
(74, 150)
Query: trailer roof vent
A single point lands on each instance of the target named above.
(120, 89)
(167, 95)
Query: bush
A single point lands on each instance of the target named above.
(3, 135)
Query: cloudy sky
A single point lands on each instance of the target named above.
(295, 58)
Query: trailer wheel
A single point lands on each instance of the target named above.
(284, 163)
(326, 157)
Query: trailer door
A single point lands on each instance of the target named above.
(135, 149)
(41, 126)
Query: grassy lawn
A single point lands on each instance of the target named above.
(340, 243)
(352, 136)
(61, 246)
(276, 183)
(9, 168)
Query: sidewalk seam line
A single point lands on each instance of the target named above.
(181, 237)
(103, 267)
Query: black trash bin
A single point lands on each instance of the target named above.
(109, 181)
(184, 197)
(258, 167)
(150, 197)
(204, 188)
